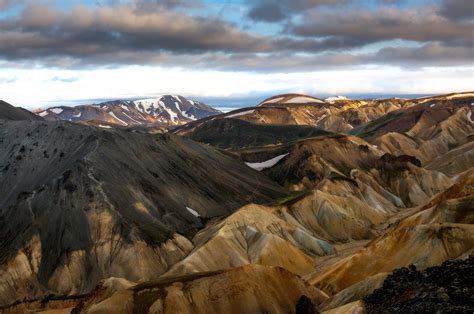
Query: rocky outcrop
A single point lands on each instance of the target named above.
(442, 289)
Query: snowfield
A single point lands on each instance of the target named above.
(335, 98)
(259, 166)
(302, 100)
(116, 118)
(274, 100)
(56, 110)
(192, 211)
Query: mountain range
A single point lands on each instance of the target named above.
(164, 111)
(295, 205)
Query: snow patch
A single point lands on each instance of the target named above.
(432, 105)
(178, 107)
(77, 115)
(125, 107)
(114, 116)
(105, 126)
(274, 100)
(469, 114)
(302, 100)
(56, 110)
(130, 118)
(335, 98)
(172, 114)
(259, 166)
(42, 113)
(192, 211)
(240, 114)
(184, 113)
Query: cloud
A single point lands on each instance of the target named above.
(5, 4)
(384, 24)
(5, 80)
(119, 33)
(267, 11)
(457, 9)
(275, 11)
(64, 79)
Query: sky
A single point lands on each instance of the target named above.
(231, 52)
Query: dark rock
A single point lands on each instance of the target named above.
(443, 289)
(305, 306)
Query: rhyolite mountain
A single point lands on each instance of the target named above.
(298, 204)
(79, 204)
(165, 110)
(336, 115)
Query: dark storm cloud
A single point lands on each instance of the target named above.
(457, 9)
(385, 24)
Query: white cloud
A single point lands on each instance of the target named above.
(36, 87)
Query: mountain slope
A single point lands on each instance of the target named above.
(431, 128)
(247, 289)
(80, 203)
(440, 229)
(8, 112)
(166, 110)
(237, 134)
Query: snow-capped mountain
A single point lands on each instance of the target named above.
(165, 110)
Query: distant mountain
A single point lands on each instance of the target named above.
(166, 110)
(8, 112)
(334, 114)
